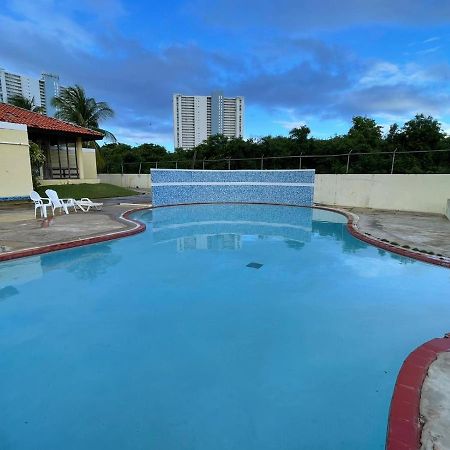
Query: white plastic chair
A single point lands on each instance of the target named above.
(62, 203)
(40, 203)
(85, 204)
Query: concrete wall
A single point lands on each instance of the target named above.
(128, 180)
(15, 168)
(89, 163)
(425, 193)
(57, 181)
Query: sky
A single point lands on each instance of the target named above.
(296, 62)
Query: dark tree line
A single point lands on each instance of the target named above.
(365, 136)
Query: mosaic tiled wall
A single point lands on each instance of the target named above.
(15, 198)
(174, 187)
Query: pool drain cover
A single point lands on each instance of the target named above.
(254, 265)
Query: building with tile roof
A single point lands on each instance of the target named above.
(69, 154)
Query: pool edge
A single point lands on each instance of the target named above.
(352, 227)
(404, 427)
(138, 227)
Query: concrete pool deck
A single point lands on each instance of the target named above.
(420, 407)
(430, 232)
(19, 230)
(435, 405)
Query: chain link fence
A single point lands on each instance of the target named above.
(342, 162)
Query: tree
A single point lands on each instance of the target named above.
(74, 106)
(25, 103)
(215, 146)
(422, 133)
(281, 152)
(37, 158)
(300, 133)
(394, 137)
(365, 135)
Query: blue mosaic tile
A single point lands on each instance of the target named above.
(10, 199)
(265, 176)
(203, 189)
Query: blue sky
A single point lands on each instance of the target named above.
(294, 61)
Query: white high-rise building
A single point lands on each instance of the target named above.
(40, 90)
(196, 117)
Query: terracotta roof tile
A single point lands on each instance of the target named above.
(13, 114)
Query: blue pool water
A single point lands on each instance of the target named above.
(168, 341)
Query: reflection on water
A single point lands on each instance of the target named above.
(8, 291)
(18, 272)
(86, 263)
(228, 227)
(209, 242)
(399, 258)
(223, 227)
(192, 228)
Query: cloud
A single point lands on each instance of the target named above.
(279, 68)
(137, 82)
(44, 17)
(395, 101)
(431, 39)
(384, 73)
(331, 83)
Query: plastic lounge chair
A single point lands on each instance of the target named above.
(40, 203)
(85, 204)
(62, 203)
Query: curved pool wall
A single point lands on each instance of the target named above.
(178, 186)
(167, 340)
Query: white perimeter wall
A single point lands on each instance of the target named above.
(129, 180)
(425, 193)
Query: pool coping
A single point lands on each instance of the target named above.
(138, 227)
(404, 423)
(352, 227)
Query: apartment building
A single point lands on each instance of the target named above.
(42, 90)
(196, 117)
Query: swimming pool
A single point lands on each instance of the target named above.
(220, 327)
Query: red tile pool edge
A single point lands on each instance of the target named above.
(351, 226)
(139, 227)
(404, 425)
(354, 231)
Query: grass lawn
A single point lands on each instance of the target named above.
(101, 190)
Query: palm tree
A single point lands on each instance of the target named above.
(25, 103)
(74, 106)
